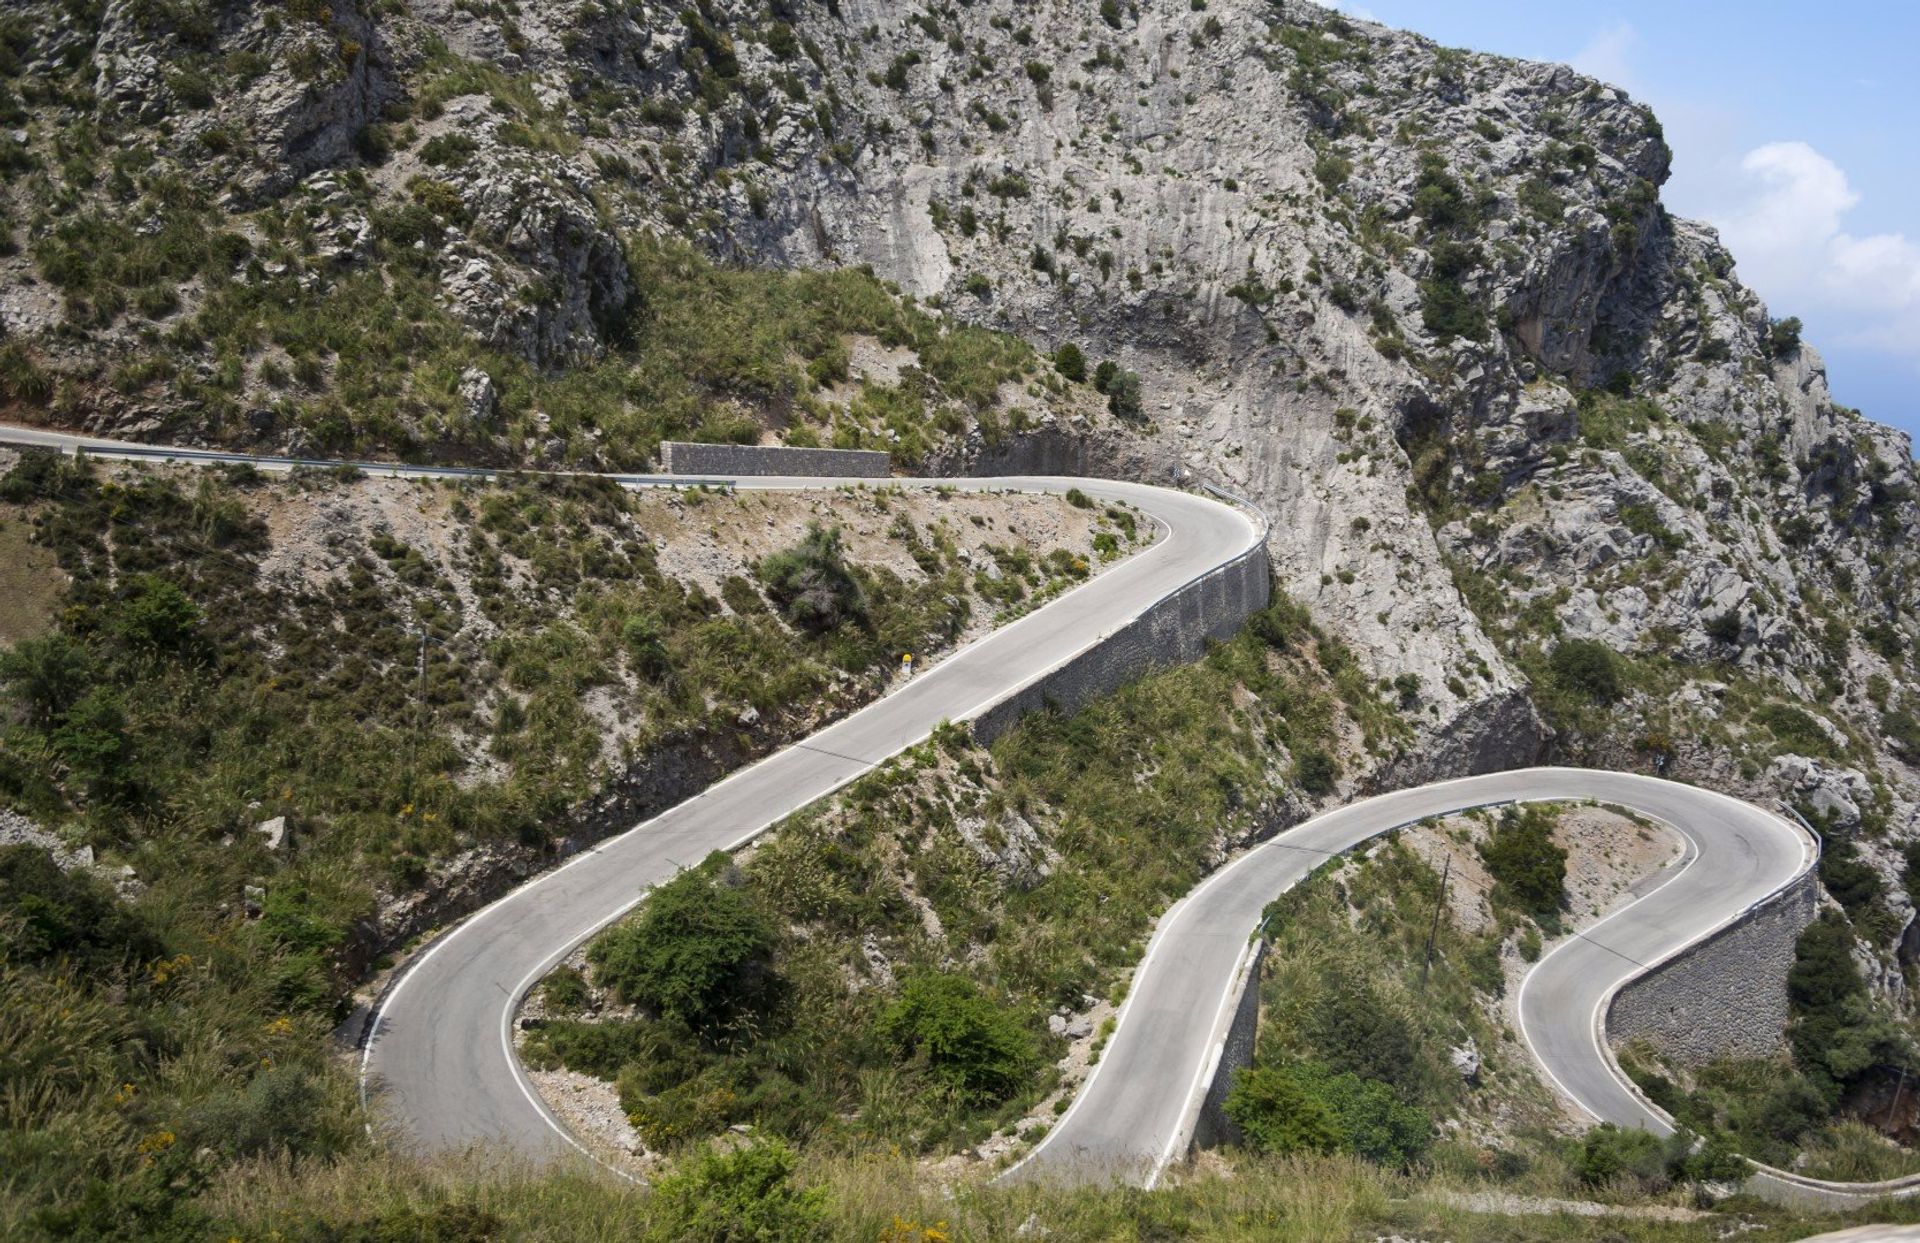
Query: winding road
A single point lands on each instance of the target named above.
(1136, 1113)
(439, 1046)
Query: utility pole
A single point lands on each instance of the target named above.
(1900, 1087)
(1433, 929)
(419, 708)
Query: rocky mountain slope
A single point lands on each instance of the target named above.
(1530, 447)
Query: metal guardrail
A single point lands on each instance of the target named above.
(399, 470)
(1227, 494)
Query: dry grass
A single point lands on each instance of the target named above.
(885, 1196)
(30, 581)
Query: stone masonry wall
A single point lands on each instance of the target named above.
(681, 458)
(1174, 631)
(1727, 996)
(1214, 1128)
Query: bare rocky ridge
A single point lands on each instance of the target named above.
(1422, 305)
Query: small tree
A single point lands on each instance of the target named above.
(156, 615)
(1783, 338)
(1587, 668)
(1123, 395)
(1278, 1115)
(92, 739)
(1315, 770)
(699, 952)
(45, 676)
(1070, 362)
(1529, 868)
(812, 583)
(970, 1044)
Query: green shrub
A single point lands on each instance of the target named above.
(1795, 729)
(1783, 337)
(1903, 728)
(1357, 1029)
(1277, 1114)
(46, 676)
(1839, 1036)
(598, 1049)
(1608, 1156)
(699, 952)
(1642, 518)
(968, 1042)
(282, 1110)
(1070, 362)
(1447, 310)
(1374, 1122)
(24, 380)
(1123, 395)
(812, 584)
(1851, 880)
(71, 916)
(1316, 770)
(1530, 870)
(92, 739)
(448, 150)
(155, 614)
(1587, 668)
(743, 1196)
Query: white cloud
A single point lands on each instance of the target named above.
(1787, 230)
(1608, 56)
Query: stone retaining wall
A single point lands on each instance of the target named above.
(1214, 1128)
(681, 458)
(1725, 997)
(1174, 631)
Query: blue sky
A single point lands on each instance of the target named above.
(1796, 131)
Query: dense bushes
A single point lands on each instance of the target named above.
(1530, 870)
(1639, 1161)
(969, 1043)
(48, 914)
(699, 953)
(1122, 388)
(746, 1195)
(1310, 1108)
(1352, 1055)
(1277, 1114)
(1839, 1037)
(1587, 668)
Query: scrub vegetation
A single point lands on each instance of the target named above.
(167, 1011)
(931, 916)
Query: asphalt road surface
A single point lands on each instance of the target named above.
(438, 1056)
(439, 1051)
(1137, 1111)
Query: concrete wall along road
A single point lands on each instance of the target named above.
(1173, 631)
(1727, 995)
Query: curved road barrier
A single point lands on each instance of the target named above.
(439, 1046)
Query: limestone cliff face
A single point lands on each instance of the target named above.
(1423, 305)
